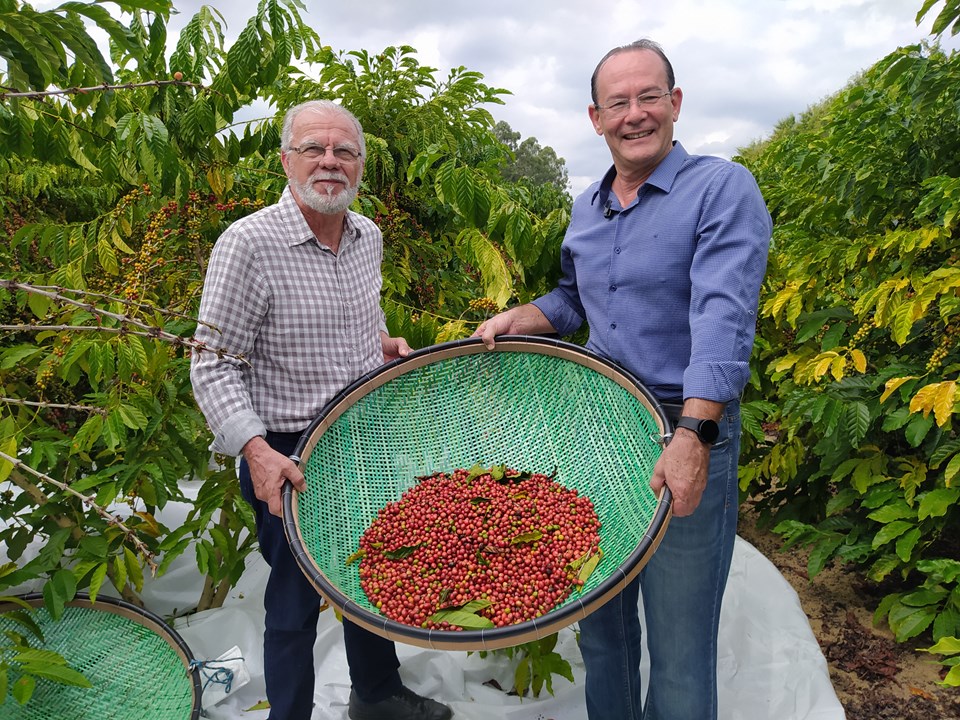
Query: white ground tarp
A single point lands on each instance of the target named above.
(770, 668)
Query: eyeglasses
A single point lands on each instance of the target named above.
(620, 106)
(312, 151)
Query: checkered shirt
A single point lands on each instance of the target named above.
(306, 320)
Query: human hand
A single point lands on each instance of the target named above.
(683, 468)
(394, 347)
(521, 320)
(269, 470)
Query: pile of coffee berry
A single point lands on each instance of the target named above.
(478, 548)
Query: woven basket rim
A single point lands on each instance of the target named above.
(139, 615)
(492, 638)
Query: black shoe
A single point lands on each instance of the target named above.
(405, 705)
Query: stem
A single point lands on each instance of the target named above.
(88, 500)
(96, 88)
(149, 331)
(58, 406)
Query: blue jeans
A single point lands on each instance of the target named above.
(682, 587)
(292, 610)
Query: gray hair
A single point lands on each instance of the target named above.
(643, 44)
(319, 107)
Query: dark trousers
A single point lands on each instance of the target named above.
(292, 610)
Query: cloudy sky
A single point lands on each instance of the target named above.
(742, 64)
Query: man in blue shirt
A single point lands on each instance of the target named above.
(663, 259)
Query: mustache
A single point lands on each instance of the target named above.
(339, 177)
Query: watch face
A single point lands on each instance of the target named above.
(709, 431)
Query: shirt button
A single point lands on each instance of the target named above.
(617, 250)
(613, 288)
(613, 326)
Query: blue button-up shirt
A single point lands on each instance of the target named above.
(669, 285)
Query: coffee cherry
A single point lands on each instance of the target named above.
(515, 542)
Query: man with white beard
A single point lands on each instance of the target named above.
(294, 289)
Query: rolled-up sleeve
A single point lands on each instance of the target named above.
(728, 267)
(231, 310)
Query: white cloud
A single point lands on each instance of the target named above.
(743, 64)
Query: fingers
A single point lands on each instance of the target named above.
(487, 330)
(269, 475)
(683, 468)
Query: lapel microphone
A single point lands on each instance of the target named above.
(607, 210)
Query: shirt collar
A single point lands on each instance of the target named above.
(300, 232)
(662, 176)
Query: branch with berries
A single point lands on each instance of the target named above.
(126, 322)
(89, 501)
(105, 87)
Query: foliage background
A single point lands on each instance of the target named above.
(118, 172)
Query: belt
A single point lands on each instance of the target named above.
(673, 411)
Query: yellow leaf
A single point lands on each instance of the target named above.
(781, 299)
(9, 447)
(892, 385)
(859, 360)
(925, 399)
(823, 363)
(794, 308)
(216, 181)
(787, 362)
(452, 330)
(945, 399)
(837, 367)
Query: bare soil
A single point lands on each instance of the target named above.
(875, 677)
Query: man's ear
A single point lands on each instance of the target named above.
(595, 118)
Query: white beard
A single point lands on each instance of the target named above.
(326, 203)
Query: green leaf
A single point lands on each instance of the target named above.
(96, 581)
(23, 689)
(952, 470)
(58, 591)
(133, 417)
(8, 445)
(908, 622)
(906, 543)
(895, 511)
(463, 619)
(890, 532)
(134, 571)
(521, 678)
(882, 567)
(87, 435)
(401, 552)
(58, 673)
(40, 656)
(526, 537)
(120, 572)
(944, 646)
(821, 554)
(917, 429)
(937, 502)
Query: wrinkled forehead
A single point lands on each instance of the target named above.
(633, 65)
(324, 126)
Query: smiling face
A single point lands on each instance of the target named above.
(326, 184)
(643, 135)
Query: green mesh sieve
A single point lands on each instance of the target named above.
(532, 403)
(138, 667)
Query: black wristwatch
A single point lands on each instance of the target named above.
(707, 430)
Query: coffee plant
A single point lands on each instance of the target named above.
(851, 416)
(118, 171)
